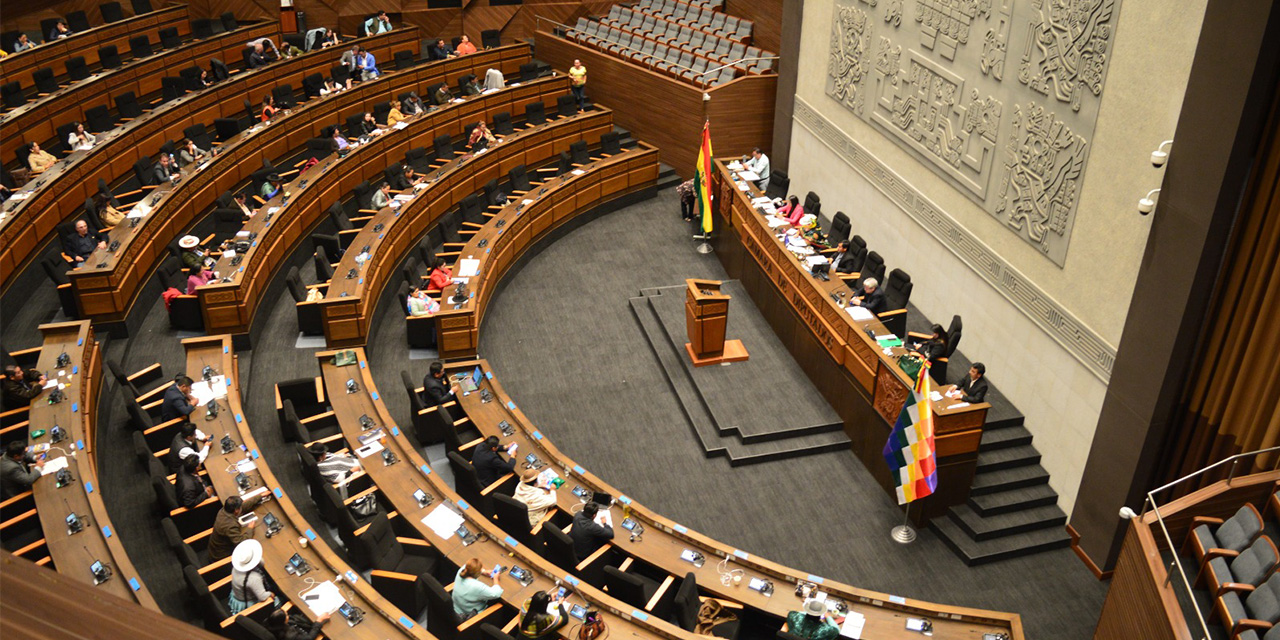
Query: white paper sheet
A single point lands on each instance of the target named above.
(245, 465)
(859, 313)
(204, 391)
(443, 521)
(577, 172)
(369, 449)
(749, 175)
(775, 222)
(55, 465)
(853, 624)
(324, 598)
(468, 267)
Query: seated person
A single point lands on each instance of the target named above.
(811, 622)
(973, 388)
(199, 279)
(257, 57)
(758, 163)
(268, 108)
(792, 211)
(441, 275)
(333, 467)
(190, 154)
(871, 298)
(369, 126)
(332, 87)
(108, 214)
(20, 386)
(319, 38)
(340, 142)
(413, 105)
(285, 624)
(591, 529)
(18, 470)
(542, 616)
(81, 243)
(23, 44)
(442, 95)
(248, 582)
(538, 498)
(842, 261)
(190, 488)
(481, 137)
(490, 467)
(406, 179)
(440, 51)
(80, 139)
(420, 304)
(193, 256)
(935, 347)
(377, 24)
(470, 595)
(437, 389)
(810, 231)
(272, 186)
(58, 32)
(165, 170)
(39, 160)
(394, 115)
(382, 197)
(465, 47)
(179, 402)
(241, 202)
(471, 88)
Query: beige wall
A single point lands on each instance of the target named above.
(1037, 326)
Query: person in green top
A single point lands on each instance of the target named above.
(542, 616)
(270, 187)
(470, 595)
(812, 623)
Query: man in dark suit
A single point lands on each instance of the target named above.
(871, 298)
(21, 386)
(186, 445)
(178, 401)
(190, 488)
(80, 244)
(256, 57)
(18, 470)
(842, 261)
(164, 170)
(439, 51)
(436, 388)
(487, 460)
(589, 535)
(974, 386)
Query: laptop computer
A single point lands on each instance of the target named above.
(471, 382)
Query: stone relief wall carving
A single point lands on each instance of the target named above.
(937, 87)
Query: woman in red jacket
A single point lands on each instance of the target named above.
(441, 275)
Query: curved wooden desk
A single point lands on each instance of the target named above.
(382, 619)
(349, 303)
(54, 196)
(19, 66)
(663, 540)
(525, 221)
(850, 369)
(398, 482)
(73, 554)
(229, 307)
(106, 293)
(38, 120)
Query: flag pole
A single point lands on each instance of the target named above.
(903, 533)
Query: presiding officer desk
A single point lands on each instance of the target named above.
(349, 303)
(382, 619)
(38, 120)
(229, 306)
(80, 375)
(32, 214)
(662, 540)
(525, 220)
(110, 281)
(18, 67)
(859, 378)
(397, 483)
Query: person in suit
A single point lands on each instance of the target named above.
(189, 443)
(436, 388)
(842, 261)
(80, 244)
(973, 388)
(413, 105)
(18, 470)
(588, 533)
(871, 298)
(256, 57)
(20, 387)
(442, 96)
(59, 31)
(759, 164)
(191, 489)
(165, 170)
(178, 401)
(367, 64)
(935, 347)
(440, 51)
(350, 59)
(227, 530)
(381, 198)
(39, 160)
(488, 461)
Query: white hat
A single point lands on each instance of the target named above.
(812, 606)
(807, 219)
(248, 554)
(188, 242)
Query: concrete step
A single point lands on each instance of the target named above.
(1005, 479)
(1036, 495)
(981, 527)
(997, 459)
(1014, 436)
(976, 552)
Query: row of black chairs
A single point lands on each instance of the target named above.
(77, 21)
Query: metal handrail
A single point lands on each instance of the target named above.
(699, 74)
(1150, 503)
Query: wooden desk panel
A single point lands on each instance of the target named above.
(72, 554)
(349, 304)
(663, 540)
(59, 193)
(229, 306)
(382, 619)
(20, 66)
(107, 292)
(38, 120)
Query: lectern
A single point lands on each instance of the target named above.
(706, 312)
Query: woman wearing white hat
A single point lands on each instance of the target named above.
(247, 584)
(192, 255)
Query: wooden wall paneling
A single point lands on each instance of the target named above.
(26, 16)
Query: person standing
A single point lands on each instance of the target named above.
(688, 199)
(368, 65)
(18, 470)
(578, 84)
(20, 387)
(759, 165)
(470, 594)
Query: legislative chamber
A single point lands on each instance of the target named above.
(564, 320)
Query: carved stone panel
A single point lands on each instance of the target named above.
(1012, 134)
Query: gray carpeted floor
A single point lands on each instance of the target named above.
(565, 345)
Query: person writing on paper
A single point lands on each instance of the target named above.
(792, 211)
(973, 388)
(470, 594)
(227, 530)
(541, 616)
(538, 498)
(18, 470)
(248, 587)
(871, 298)
(189, 444)
(811, 622)
(759, 164)
(81, 139)
(490, 467)
(20, 387)
(842, 261)
(178, 401)
(190, 488)
(590, 531)
(282, 625)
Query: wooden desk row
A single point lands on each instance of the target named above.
(74, 553)
(522, 223)
(398, 482)
(382, 619)
(229, 307)
(663, 540)
(38, 120)
(349, 304)
(107, 293)
(59, 193)
(19, 66)
(844, 362)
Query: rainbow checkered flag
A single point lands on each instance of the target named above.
(909, 450)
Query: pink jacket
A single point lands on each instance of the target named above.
(792, 214)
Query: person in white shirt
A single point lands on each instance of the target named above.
(759, 164)
(81, 139)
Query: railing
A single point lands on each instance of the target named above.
(699, 74)
(1152, 505)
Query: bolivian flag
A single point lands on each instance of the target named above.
(702, 178)
(913, 463)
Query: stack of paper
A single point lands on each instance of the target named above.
(775, 222)
(443, 521)
(204, 391)
(324, 598)
(813, 261)
(400, 125)
(749, 175)
(577, 172)
(55, 465)
(468, 267)
(859, 313)
(853, 624)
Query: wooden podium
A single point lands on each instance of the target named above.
(706, 312)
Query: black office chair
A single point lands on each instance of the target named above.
(442, 150)
(839, 230)
(491, 38)
(380, 111)
(202, 28)
(535, 113)
(312, 84)
(468, 483)
(46, 27)
(611, 143)
(432, 91)
(140, 46)
(494, 196)
(218, 70)
(631, 588)
(226, 128)
(872, 267)
(109, 57)
(284, 96)
(8, 39)
(528, 72)
(13, 95)
(246, 628)
(340, 74)
(566, 106)
(127, 106)
(686, 603)
(56, 269)
(513, 517)
(172, 88)
(387, 552)
(779, 184)
(565, 164)
(502, 124)
(518, 178)
(77, 70)
(213, 608)
(897, 289)
(442, 620)
(557, 547)
(78, 21)
(169, 38)
(578, 153)
(45, 84)
(812, 203)
(229, 23)
(403, 60)
(354, 127)
(191, 79)
(111, 12)
(324, 268)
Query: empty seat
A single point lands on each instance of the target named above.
(141, 6)
(140, 46)
(1234, 534)
(490, 38)
(1262, 604)
(111, 12)
(169, 38)
(109, 57)
(13, 95)
(228, 21)
(78, 21)
(98, 119)
(226, 128)
(172, 88)
(44, 81)
(77, 69)
(202, 28)
(534, 114)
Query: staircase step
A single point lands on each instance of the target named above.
(1015, 436)
(1006, 524)
(996, 459)
(976, 552)
(1005, 479)
(1036, 495)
